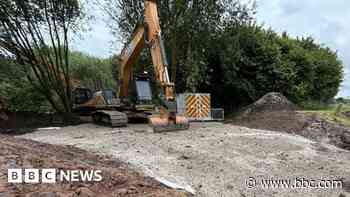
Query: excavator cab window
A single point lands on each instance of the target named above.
(109, 95)
(143, 89)
(82, 95)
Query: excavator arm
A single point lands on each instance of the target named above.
(128, 58)
(149, 34)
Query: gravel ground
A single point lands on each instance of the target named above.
(117, 179)
(215, 159)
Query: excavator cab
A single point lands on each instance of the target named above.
(82, 95)
(110, 96)
(87, 101)
(144, 100)
(101, 106)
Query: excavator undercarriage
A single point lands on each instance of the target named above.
(110, 118)
(106, 109)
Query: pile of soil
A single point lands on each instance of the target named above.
(346, 114)
(275, 112)
(272, 112)
(270, 102)
(117, 179)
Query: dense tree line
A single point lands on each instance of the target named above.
(217, 47)
(213, 46)
(16, 91)
(19, 95)
(92, 72)
(248, 62)
(37, 34)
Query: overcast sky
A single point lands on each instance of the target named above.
(325, 20)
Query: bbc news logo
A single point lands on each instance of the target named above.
(52, 176)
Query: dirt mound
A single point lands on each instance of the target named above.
(270, 102)
(117, 179)
(276, 113)
(346, 114)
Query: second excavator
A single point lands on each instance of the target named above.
(113, 108)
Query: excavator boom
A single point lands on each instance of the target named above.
(128, 57)
(149, 34)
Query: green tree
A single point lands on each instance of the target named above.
(217, 47)
(188, 28)
(92, 72)
(246, 61)
(15, 90)
(37, 33)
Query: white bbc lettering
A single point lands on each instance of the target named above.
(74, 175)
(31, 176)
(48, 176)
(87, 175)
(64, 175)
(14, 176)
(52, 175)
(98, 175)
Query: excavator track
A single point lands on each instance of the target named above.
(111, 118)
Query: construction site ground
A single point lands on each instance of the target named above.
(214, 159)
(118, 179)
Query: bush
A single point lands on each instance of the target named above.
(16, 91)
(91, 72)
(249, 61)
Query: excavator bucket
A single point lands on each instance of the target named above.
(164, 124)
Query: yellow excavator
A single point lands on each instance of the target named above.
(113, 108)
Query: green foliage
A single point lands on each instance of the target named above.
(188, 28)
(253, 61)
(217, 47)
(37, 33)
(333, 113)
(93, 73)
(20, 95)
(342, 100)
(17, 92)
(317, 70)
(315, 105)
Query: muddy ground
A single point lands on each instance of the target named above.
(214, 159)
(117, 179)
(274, 112)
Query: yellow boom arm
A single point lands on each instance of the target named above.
(148, 33)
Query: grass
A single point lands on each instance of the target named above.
(332, 113)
